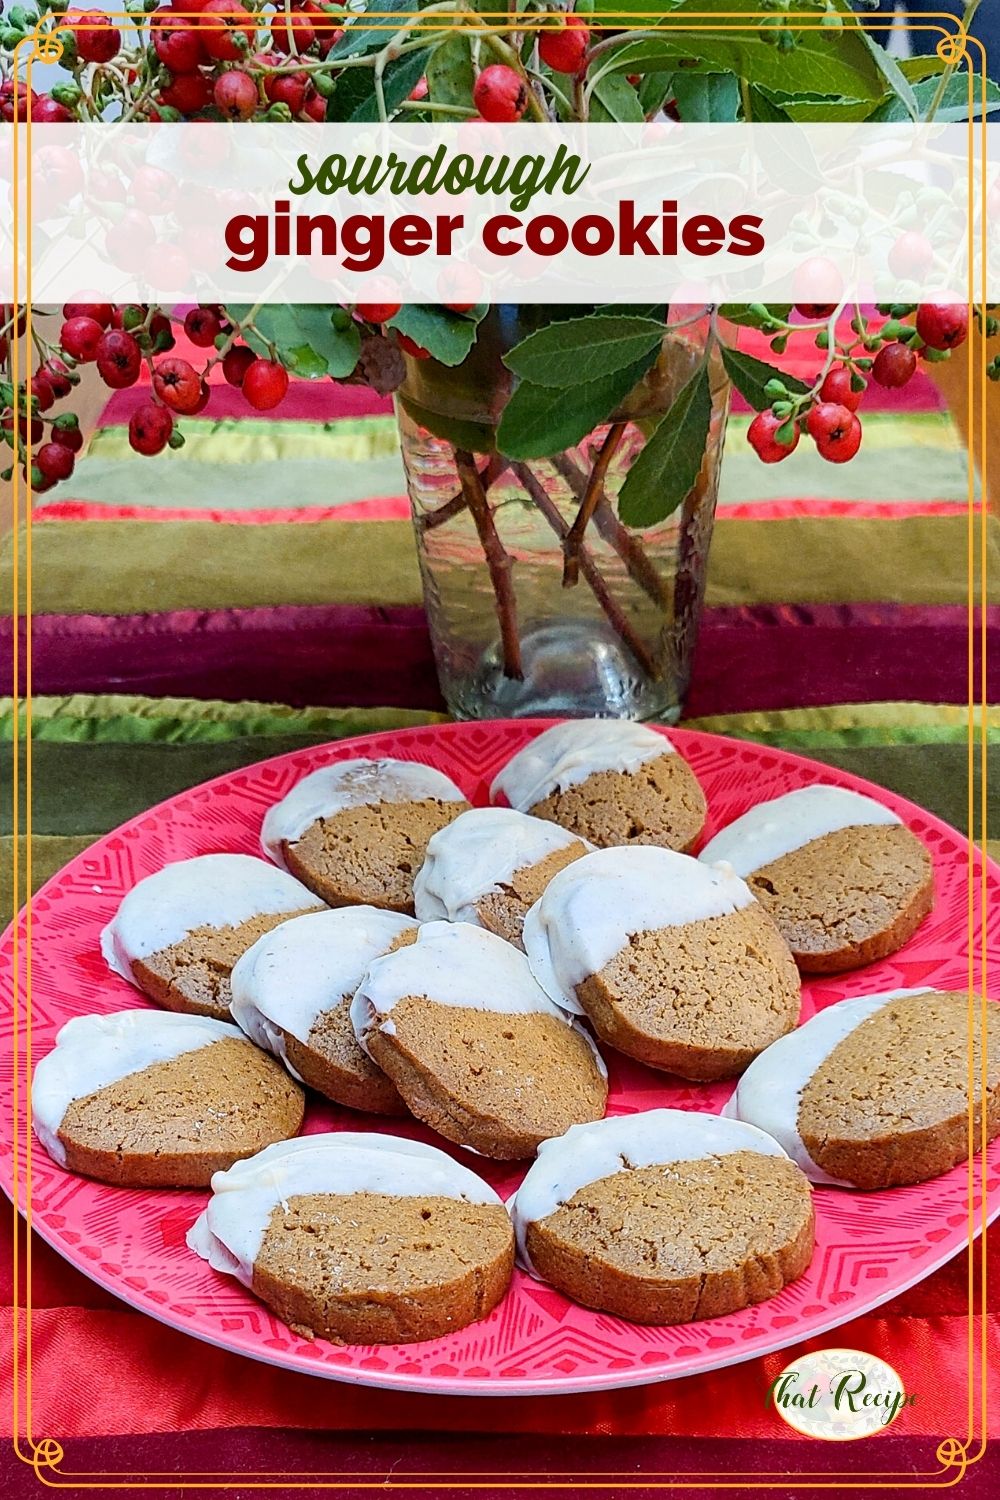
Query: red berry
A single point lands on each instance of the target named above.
(814, 311)
(41, 389)
(460, 307)
(55, 461)
(315, 107)
(943, 325)
(236, 363)
(7, 314)
(837, 431)
(118, 359)
(101, 312)
(202, 326)
(761, 437)
(97, 41)
(227, 30)
(294, 33)
(161, 333)
(411, 347)
(287, 88)
(911, 256)
(564, 50)
(66, 430)
(46, 111)
(58, 378)
(235, 95)
(837, 388)
(31, 429)
(178, 384)
(149, 429)
(153, 190)
(188, 93)
(80, 337)
(500, 94)
(16, 108)
(894, 365)
(377, 312)
(178, 42)
(265, 384)
(4, 346)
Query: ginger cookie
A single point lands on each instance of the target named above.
(489, 866)
(361, 1239)
(476, 1048)
(672, 961)
(664, 1217)
(356, 832)
(177, 934)
(143, 1098)
(610, 781)
(844, 879)
(874, 1092)
(292, 993)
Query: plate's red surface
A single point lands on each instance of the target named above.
(869, 1246)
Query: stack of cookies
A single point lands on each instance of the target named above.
(473, 970)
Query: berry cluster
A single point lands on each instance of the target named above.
(120, 340)
(888, 354)
(223, 59)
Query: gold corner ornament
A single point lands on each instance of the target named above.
(46, 44)
(953, 48)
(46, 1454)
(952, 1453)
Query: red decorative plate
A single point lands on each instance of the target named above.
(870, 1246)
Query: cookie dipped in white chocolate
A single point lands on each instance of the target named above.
(592, 1152)
(348, 784)
(474, 1045)
(590, 910)
(209, 891)
(567, 754)
(229, 1232)
(770, 1091)
(93, 1051)
(491, 852)
(776, 828)
(292, 993)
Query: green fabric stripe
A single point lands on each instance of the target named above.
(117, 567)
(241, 464)
(126, 718)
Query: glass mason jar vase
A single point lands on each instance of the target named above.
(516, 629)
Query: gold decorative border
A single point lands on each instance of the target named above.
(955, 1455)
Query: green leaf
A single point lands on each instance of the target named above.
(539, 420)
(305, 337)
(656, 87)
(768, 105)
(818, 63)
(954, 105)
(896, 80)
(359, 39)
(398, 82)
(614, 100)
(750, 375)
(445, 335)
(450, 74)
(478, 437)
(707, 97)
(667, 467)
(583, 349)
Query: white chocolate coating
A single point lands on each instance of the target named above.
(480, 851)
(211, 890)
(589, 1153)
(588, 911)
(770, 1091)
(451, 963)
(568, 753)
(302, 968)
(776, 828)
(92, 1052)
(231, 1230)
(351, 783)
